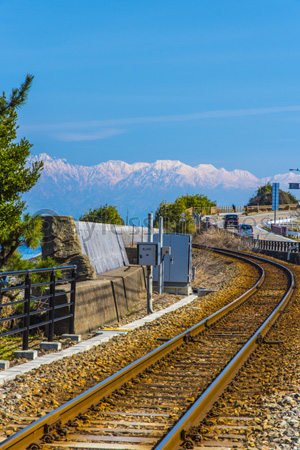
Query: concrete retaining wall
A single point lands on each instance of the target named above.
(291, 257)
(106, 300)
(105, 244)
(132, 254)
(133, 280)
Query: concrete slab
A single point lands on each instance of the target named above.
(4, 364)
(27, 354)
(100, 338)
(50, 346)
(73, 337)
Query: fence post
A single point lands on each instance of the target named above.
(0, 298)
(72, 302)
(26, 319)
(51, 306)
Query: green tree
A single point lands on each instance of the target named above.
(17, 176)
(263, 196)
(27, 230)
(171, 212)
(103, 214)
(17, 263)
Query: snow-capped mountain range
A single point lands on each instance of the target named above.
(138, 187)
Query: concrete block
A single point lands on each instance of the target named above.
(4, 364)
(50, 346)
(94, 305)
(73, 337)
(134, 285)
(120, 296)
(133, 282)
(27, 354)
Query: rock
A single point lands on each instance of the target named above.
(85, 271)
(62, 243)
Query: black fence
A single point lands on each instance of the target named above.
(22, 281)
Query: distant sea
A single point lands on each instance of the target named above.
(27, 252)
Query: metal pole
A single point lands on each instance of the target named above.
(161, 265)
(149, 268)
(72, 302)
(26, 320)
(150, 227)
(51, 306)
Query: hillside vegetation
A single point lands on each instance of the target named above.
(176, 217)
(263, 196)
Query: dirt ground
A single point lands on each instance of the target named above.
(212, 272)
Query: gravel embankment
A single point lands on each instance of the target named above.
(267, 389)
(40, 391)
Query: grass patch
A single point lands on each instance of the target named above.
(131, 313)
(9, 344)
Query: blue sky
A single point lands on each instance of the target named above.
(200, 81)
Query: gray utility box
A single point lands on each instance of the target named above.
(177, 265)
(147, 253)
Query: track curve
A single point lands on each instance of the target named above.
(177, 382)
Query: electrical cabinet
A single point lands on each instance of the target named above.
(177, 265)
(147, 253)
(165, 251)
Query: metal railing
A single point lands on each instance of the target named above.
(285, 207)
(211, 210)
(47, 302)
(279, 246)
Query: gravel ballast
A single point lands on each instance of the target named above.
(40, 391)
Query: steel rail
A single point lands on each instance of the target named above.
(60, 416)
(178, 436)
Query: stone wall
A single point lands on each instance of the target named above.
(61, 242)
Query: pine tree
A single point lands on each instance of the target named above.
(17, 176)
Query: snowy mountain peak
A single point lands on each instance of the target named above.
(72, 189)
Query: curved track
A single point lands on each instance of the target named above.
(157, 401)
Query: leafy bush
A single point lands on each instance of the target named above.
(171, 212)
(103, 214)
(16, 263)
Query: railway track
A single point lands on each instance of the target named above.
(158, 401)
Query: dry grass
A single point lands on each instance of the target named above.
(213, 271)
(217, 237)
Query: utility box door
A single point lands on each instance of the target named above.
(147, 253)
(178, 265)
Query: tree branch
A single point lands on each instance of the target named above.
(18, 96)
